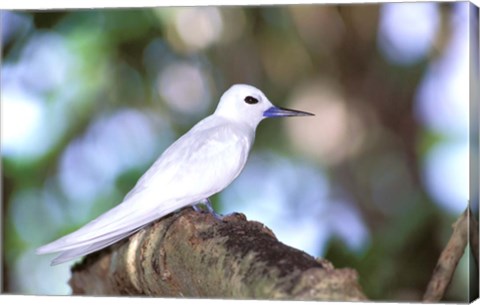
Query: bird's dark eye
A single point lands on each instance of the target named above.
(251, 100)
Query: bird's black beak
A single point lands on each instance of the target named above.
(274, 112)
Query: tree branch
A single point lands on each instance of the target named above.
(449, 258)
(190, 254)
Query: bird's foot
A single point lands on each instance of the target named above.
(206, 202)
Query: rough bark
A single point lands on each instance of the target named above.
(449, 258)
(191, 254)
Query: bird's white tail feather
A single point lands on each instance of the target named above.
(105, 230)
(84, 250)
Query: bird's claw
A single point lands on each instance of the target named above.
(206, 202)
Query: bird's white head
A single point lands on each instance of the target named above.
(247, 104)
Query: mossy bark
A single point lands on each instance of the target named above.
(191, 254)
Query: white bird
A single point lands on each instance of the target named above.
(198, 165)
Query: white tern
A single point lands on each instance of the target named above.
(198, 165)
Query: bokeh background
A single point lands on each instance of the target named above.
(90, 98)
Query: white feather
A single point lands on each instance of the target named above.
(199, 164)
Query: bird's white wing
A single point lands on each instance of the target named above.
(199, 164)
(203, 161)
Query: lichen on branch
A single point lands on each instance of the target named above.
(191, 254)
